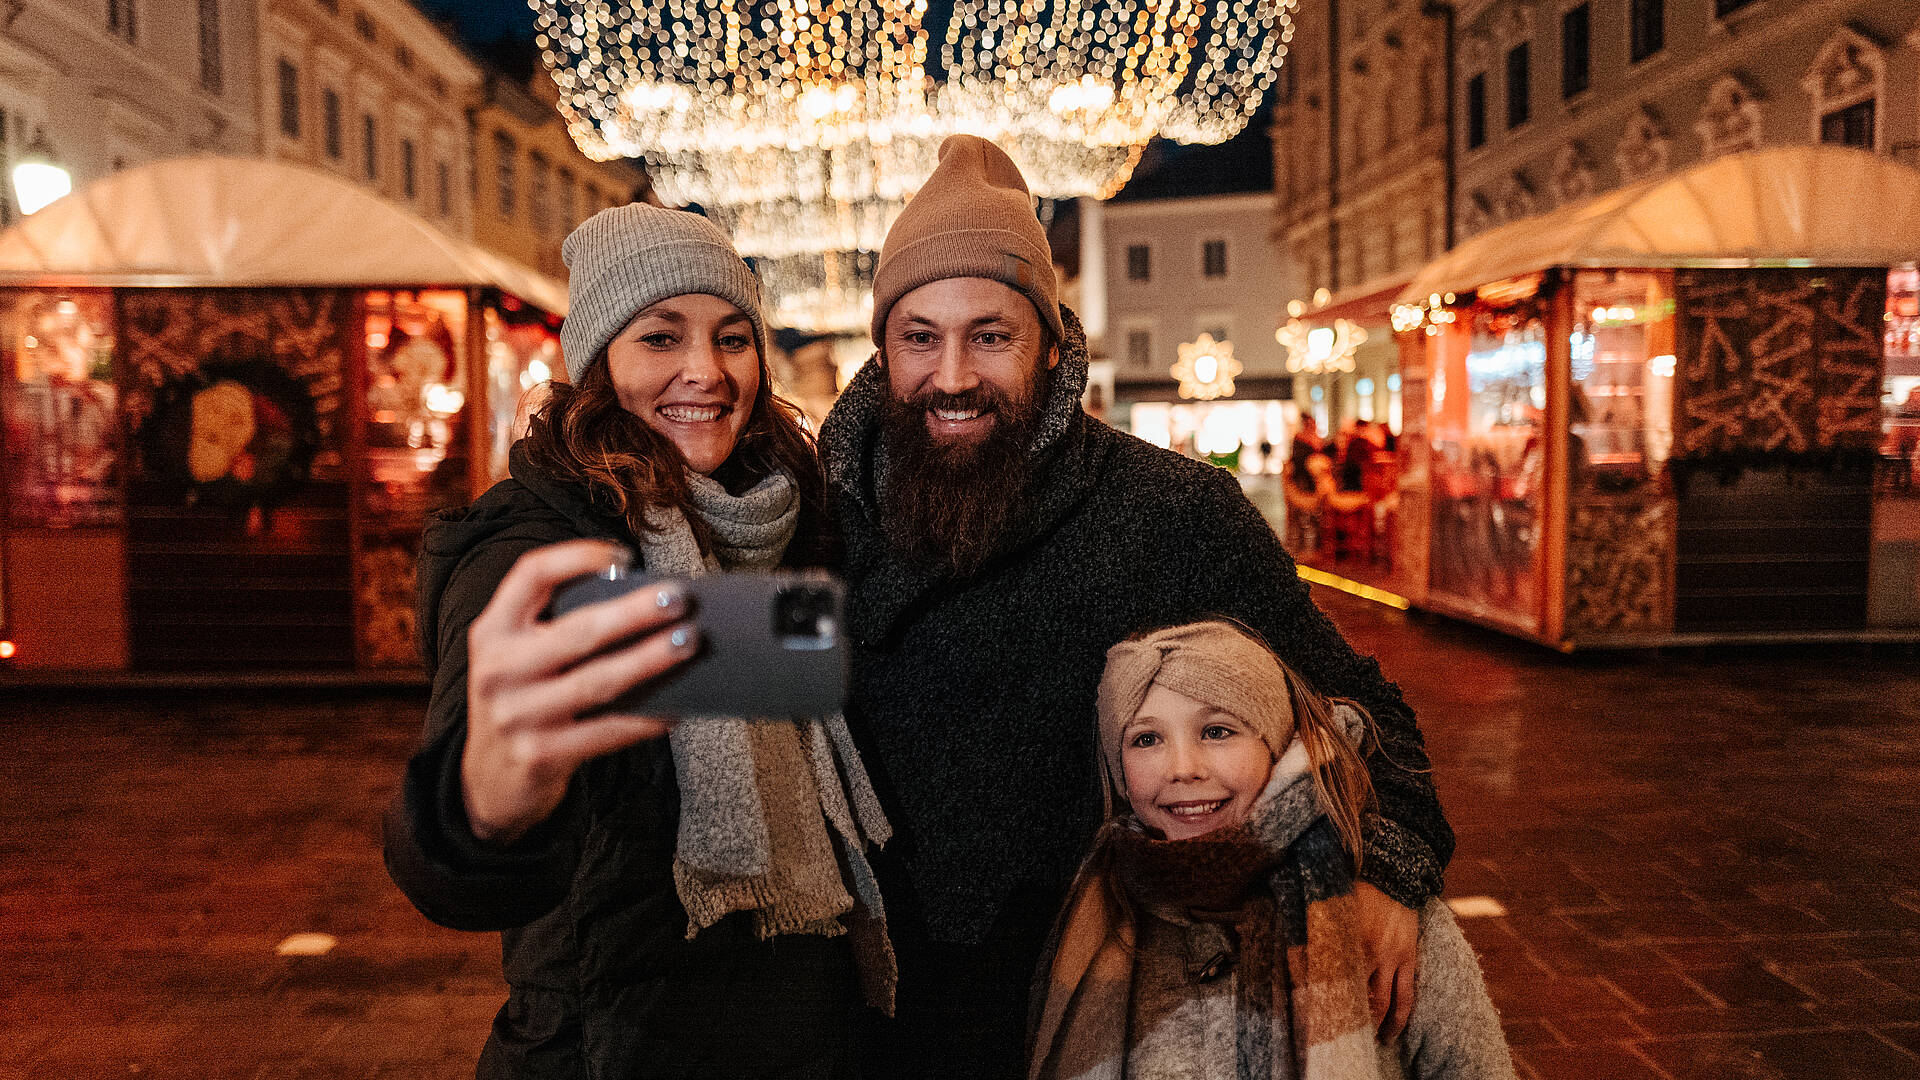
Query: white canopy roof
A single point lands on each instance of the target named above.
(247, 221)
(1790, 206)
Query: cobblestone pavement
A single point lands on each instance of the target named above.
(1705, 858)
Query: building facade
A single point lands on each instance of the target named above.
(533, 185)
(97, 85)
(374, 91)
(1359, 142)
(1556, 102)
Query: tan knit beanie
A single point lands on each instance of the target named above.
(624, 260)
(1213, 662)
(972, 218)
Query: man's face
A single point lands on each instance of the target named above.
(961, 351)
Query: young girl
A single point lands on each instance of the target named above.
(1211, 933)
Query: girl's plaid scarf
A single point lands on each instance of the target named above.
(1281, 884)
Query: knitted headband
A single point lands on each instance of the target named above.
(623, 260)
(1212, 662)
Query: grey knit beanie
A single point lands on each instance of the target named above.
(622, 260)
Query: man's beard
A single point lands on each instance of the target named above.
(947, 505)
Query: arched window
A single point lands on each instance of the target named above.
(1845, 83)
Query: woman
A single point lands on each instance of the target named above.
(672, 901)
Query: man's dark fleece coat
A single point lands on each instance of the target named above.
(975, 700)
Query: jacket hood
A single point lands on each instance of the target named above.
(531, 494)
(851, 434)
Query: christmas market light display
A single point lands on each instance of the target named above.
(802, 126)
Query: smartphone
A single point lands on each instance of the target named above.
(771, 644)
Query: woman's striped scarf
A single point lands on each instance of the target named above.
(1281, 882)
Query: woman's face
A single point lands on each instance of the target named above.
(689, 368)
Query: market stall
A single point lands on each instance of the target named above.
(232, 390)
(1657, 416)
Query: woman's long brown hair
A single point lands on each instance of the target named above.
(583, 434)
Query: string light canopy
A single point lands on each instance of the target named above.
(803, 126)
(840, 93)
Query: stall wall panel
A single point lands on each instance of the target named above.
(1620, 568)
(1778, 361)
(238, 538)
(1777, 381)
(1774, 549)
(68, 599)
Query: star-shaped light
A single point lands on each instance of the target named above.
(1206, 369)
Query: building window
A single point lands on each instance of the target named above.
(122, 21)
(212, 72)
(1724, 8)
(289, 99)
(1648, 32)
(1140, 348)
(589, 200)
(370, 146)
(1576, 50)
(409, 179)
(1139, 262)
(1851, 126)
(568, 208)
(539, 203)
(1519, 85)
(438, 85)
(363, 26)
(331, 7)
(330, 122)
(443, 189)
(1213, 258)
(1477, 111)
(405, 56)
(505, 153)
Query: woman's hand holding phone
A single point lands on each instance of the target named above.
(529, 680)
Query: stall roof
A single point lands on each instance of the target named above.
(245, 221)
(1789, 206)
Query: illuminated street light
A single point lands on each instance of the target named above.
(37, 181)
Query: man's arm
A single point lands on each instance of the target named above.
(1238, 568)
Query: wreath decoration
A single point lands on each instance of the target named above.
(233, 434)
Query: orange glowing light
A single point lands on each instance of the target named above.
(6, 650)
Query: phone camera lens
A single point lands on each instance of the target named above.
(803, 616)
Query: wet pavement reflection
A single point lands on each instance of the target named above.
(1704, 859)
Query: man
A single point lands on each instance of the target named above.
(997, 543)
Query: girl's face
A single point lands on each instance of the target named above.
(1190, 768)
(688, 367)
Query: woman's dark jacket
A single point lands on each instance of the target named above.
(602, 981)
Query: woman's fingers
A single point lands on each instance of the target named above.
(523, 594)
(594, 682)
(508, 646)
(590, 739)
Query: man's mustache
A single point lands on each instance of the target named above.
(981, 398)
